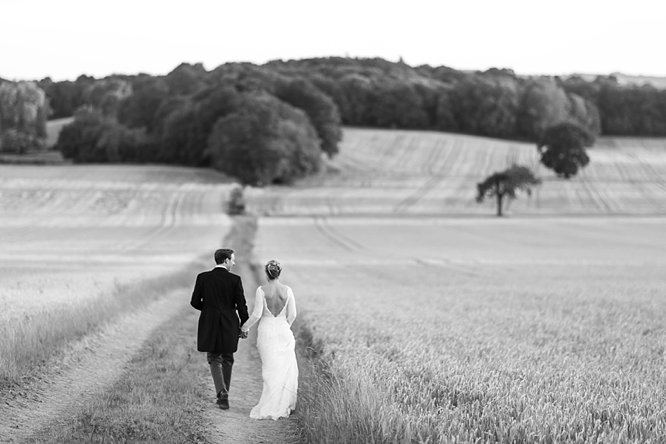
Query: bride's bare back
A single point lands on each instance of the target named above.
(276, 296)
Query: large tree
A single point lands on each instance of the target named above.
(264, 141)
(562, 148)
(320, 109)
(504, 184)
(23, 111)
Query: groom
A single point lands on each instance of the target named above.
(219, 295)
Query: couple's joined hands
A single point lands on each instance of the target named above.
(242, 334)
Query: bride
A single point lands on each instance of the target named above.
(274, 305)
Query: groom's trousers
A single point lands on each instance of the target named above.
(220, 368)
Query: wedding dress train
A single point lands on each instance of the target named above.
(279, 369)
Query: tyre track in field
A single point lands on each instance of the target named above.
(334, 236)
(438, 175)
(627, 175)
(648, 176)
(595, 196)
(89, 367)
(169, 217)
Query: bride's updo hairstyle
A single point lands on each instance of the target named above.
(273, 270)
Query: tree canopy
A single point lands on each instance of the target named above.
(264, 141)
(562, 148)
(504, 184)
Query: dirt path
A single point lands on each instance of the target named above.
(91, 365)
(235, 424)
(88, 367)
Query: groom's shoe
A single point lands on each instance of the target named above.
(223, 400)
(223, 403)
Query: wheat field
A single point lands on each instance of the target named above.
(481, 330)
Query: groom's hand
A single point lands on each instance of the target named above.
(242, 334)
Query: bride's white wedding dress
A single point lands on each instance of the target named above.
(276, 343)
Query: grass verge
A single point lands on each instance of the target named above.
(26, 346)
(158, 398)
(335, 409)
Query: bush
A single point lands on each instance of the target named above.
(236, 204)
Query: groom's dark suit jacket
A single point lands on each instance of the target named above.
(219, 295)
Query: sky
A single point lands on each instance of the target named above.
(63, 39)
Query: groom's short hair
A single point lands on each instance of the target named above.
(222, 255)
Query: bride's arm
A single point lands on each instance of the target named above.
(256, 311)
(291, 307)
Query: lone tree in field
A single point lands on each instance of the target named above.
(562, 148)
(505, 183)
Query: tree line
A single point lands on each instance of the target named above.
(272, 123)
(246, 121)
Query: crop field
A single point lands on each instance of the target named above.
(547, 326)
(482, 330)
(71, 234)
(436, 321)
(415, 172)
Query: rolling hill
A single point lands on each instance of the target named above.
(421, 172)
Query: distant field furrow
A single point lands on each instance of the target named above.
(74, 232)
(420, 172)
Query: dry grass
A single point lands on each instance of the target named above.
(158, 398)
(491, 362)
(41, 334)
